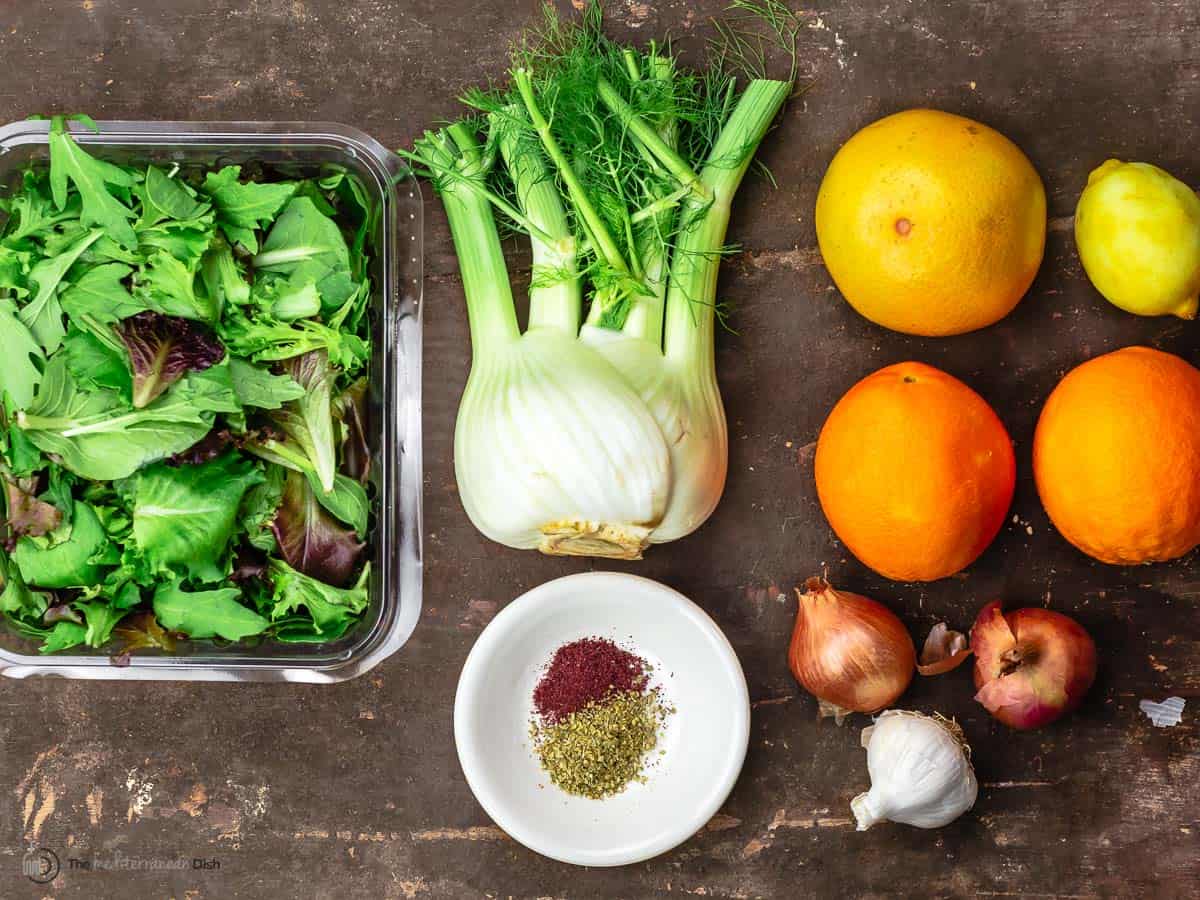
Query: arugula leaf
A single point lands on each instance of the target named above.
(184, 518)
(33, 213)
(91, 178)
(162, 349)
(243, 206)
(20, 374)
(330, 608)
(97, 435)
(206, 614)
(310, 540)
(259, 388)
(70, 563)
(43, 314)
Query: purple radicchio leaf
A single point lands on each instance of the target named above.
(351, 410)
(310, 539)
(61, 612)
(248, 564)
(162, 349)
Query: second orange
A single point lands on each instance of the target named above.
(915, 472)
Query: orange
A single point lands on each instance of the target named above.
(931, 223)
(915, 472)
(1116, 456)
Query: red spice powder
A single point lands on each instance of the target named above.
(587, 671)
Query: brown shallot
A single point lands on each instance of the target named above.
(849, 651)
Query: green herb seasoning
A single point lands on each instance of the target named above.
(597, 751)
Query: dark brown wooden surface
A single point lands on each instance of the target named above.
(355, 792)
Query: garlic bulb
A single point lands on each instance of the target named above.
(920, 770)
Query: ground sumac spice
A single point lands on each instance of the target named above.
(584, 672)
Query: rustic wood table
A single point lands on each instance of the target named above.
(354, 791)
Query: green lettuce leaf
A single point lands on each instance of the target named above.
(96, 365)
(97, 435)
(70, 563)
(257, 387)
(17, 599)
(331, 609)
(164, 197)
(14, 271)
(223, 280)
(101, 619)
(184, 518)
(307, 246)
(168, 286)
(259, 507)
(64, 635)
(100, 297)
(206, 614)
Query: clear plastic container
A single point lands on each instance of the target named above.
(290, 148)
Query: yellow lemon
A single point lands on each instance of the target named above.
(931, 223)
(1138, 233)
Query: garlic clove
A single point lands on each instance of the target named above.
(944, 651)
(920, 770)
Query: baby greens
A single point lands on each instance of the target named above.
(182, 403)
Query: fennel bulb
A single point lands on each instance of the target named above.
(604, 439)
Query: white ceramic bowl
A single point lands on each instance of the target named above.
(705, 739)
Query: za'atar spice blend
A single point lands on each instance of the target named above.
(595, 718)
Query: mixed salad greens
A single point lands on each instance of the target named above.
(183, 403)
